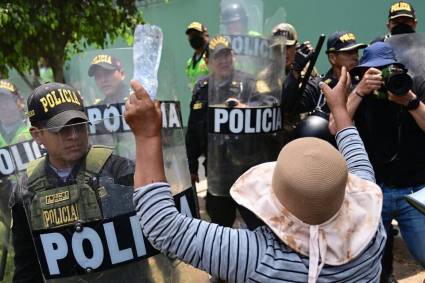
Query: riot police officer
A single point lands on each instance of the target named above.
(109, 76)
(342, 50)
(13, 129)
(12, 126)
(232, 87)
(70, 185)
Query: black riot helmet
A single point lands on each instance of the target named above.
(233, 12)
(316, 124)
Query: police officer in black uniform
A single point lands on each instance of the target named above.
(58, 122)
(109, 76)
(342, 50)
(228, 83)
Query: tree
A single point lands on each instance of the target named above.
(48, 32)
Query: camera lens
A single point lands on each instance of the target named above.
(399, 84)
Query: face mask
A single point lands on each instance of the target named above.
(401, 29)
(197, 42)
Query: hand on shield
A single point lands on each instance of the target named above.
(336, 99)
(142, 114)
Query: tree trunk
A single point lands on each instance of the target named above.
(57, 67)
(56, 62)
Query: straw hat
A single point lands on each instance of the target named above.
(311, 202)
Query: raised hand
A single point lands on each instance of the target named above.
(336, 98)
(142, 114)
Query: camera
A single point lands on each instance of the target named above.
(396, 80)
(395, 77)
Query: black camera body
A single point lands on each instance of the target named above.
(396, 80)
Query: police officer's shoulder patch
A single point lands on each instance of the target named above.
(197, 105)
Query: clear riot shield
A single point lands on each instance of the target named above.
(78, 204)
(244, 116)
(16, 150)
(410, 51)
(135, 260)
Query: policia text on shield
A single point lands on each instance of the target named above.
(241, 255)
(73, 216)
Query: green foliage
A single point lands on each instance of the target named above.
(48, 32)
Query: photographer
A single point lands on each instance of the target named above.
(387, 106)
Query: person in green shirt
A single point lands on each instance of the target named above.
(198, 37)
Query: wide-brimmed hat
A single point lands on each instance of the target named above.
(376, 55)
(311, 202)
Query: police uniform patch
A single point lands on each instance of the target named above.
(197, 106)
(60, 216)
(57, 197)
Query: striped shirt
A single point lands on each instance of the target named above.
(239, 255)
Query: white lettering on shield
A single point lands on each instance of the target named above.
(113, 120)
(56, 247)
(247, 121)
(16, 157)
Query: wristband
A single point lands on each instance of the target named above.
(359, 94)
(413, 104)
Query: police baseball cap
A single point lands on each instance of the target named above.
(196, 26)
(284, 30)
(218, 44)
(8, 88)
(53, 105)
(106, 62)
(341, 41)
(401, 9)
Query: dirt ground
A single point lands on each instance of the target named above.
(406, 270)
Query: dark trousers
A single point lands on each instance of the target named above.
(222, 211)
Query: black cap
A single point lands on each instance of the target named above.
(54, 104)
(218, 43)
(401, 9)
(8, 88)
(106, 62)
(341, 41)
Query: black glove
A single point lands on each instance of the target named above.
(302, 56)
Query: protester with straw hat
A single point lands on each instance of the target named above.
(321, 207)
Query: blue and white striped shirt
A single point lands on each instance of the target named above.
(238, 255)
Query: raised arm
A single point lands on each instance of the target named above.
(349, 142)
(191, 240)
